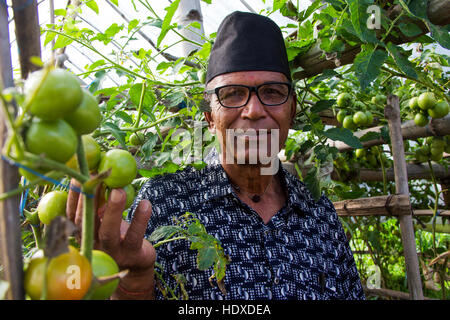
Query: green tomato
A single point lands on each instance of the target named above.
(341, 115)
(123, 168)
(137, 138)
(348, 123)
(360, 118)
(421, 157)
(413, 104)
(369, 116)
(130, 192)
(421, 120)
(440, 110)
(426, 100)
(437, 156)
(360, 153)
(437, 143)
(201, 75)
(56, 139)
(103, 265)
(344, 100)
(51, 205)
(87, 117)
(59, 94)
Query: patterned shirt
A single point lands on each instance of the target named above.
(301, 253)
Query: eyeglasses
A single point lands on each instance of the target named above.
(238, 95)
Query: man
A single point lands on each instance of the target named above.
(281, 243)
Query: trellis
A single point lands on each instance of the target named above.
(313, 63)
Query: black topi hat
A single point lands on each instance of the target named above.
(248, 42)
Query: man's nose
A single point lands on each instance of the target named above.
(254, 109)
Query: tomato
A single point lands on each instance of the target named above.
(360, 118)
(87, 117)
(421, 157)
(358, 105)
(425, 150)
(69, 276)
(51, 205)
(91, 150)
(348, 123)
(103, 265)
(58, 95)
(440, 110)
(379, 99)
(372, 160)
(437, 143)
(137, 138)
(341, 115)
(360, 153)
(123, 168)
(56, 139)
(426, 100)
(344, 100)
(369, 116)
(437, 156)
(413, 104)
(421, 120)
(44, 171)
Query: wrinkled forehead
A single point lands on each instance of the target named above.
(251, 78)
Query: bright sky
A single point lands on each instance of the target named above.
(79, 57)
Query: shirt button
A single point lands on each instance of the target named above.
(276, 280)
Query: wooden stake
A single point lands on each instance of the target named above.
(392, 114)
(393, 205)
(10, 235)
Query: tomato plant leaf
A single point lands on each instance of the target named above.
(359, 17)
(116, 132)
(312, 182)
(322, 105)
(167, 21)
(206, 256)
(367, 64)
(344, 135)
(164, 232)
(409, 29)
(92, 5)
(402, 61)
(440, 34)
(370, 136)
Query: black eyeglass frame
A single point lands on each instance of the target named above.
(251, 89)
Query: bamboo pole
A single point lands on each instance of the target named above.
(392, 205)
(10, 235)
(392, 114)
(27, 34)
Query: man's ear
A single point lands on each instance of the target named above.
(211, 124)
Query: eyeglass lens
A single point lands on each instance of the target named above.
(269, 94)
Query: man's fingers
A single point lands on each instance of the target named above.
(109, 230)
(72, 201)
(138, 226)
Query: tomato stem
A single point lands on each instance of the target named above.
(141, 102)
(87, 235)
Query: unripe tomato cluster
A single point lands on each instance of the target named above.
(61, 112)
(356, 120)
(372, 157)
(69, 276)
(433, 149)
(425, 106)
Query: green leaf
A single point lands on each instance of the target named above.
(124, 116)
(62, 42)
(116, 2)
(402, 61)
(312, 182)
(117, 133)
(370, 136)
(167, 21)
(133, 24)
(418, 8)
(344, 135)
(150, 142)
(206, 257)
(440, 34)
(135, 96)
(303, 15)
(409, 29)
(60, 12)
(367, 64)
(322, 105)
(92, 5)
(327, 73)
(278, 4)
(359, 16)
(163, 232)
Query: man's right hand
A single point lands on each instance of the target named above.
(123, 241)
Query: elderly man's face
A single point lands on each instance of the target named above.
(252, 117)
